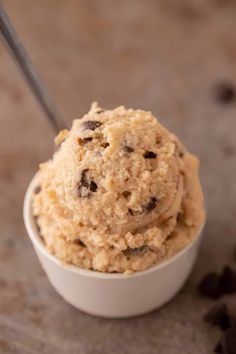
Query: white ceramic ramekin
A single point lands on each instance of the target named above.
(112, 295)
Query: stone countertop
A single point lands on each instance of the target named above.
(166, 56)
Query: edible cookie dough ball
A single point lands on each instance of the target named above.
(110, 197)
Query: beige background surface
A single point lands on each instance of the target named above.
(165, 56)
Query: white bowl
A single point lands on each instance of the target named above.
(110, 294)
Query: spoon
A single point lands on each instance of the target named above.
(19, 53)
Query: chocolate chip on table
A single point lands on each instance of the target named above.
(225, 92)
(214, 286)
(210, 286)
(233, 321)
(128, 149)
(150, 155)
(150, 205)
(93, 186)
(37, 189)
(228, 341)
(218, 316)
(228, 280)
(126, 194)
(91, 124)
(135, 251)
(218, 348)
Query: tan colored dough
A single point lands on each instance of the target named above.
(121, 193)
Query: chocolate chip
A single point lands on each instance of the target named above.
(181, 218)
(105, 145)
(134, 212)
(228, 280)
(37, 189)
(228, 341)
(91, 124)
(228, 151)
(93, 186)
(128, 149)
(225, 92)
(145, 208)
(232, 321)
(136, 251)
(218, 316)
(83, 186)
(150, 205)
(210, 286)
(79, 242)
(218, 348)
(85, 140)
(149, 155)
(131, 211)
(126, 194)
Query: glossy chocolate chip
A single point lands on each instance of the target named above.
(150, 155)
(91, 124)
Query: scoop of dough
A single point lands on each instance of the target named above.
(117, 191)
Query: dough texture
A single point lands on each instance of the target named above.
(120, 194)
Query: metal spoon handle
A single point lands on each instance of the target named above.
(21, 57)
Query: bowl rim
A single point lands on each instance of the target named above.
(35, 238)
